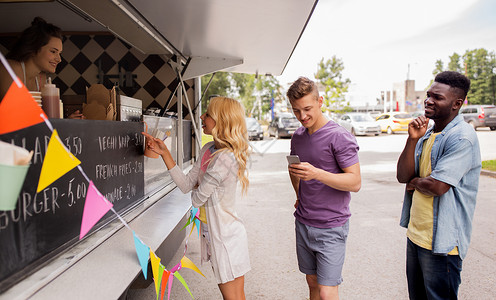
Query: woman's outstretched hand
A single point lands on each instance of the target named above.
(156, 145)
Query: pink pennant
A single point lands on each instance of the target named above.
(95, 207)
(171, 278)
(176, 268)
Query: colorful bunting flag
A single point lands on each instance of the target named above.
(165, 279)
(18, 110)
(178, 276)
(176, 268)
(95, 207)
(155, 269)
(194, 218)
(171, 279)
(187, 223)
(187, 263)
(197, 224)
(161, 270)
(143, 252)
(57, 162)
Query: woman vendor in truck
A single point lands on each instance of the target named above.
(35, 53)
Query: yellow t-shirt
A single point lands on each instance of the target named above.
(420, 227)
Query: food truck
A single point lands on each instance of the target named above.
(150, 55)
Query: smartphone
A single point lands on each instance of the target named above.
(293, 159)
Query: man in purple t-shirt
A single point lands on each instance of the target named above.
(328, 172)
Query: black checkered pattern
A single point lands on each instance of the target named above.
(83, 56)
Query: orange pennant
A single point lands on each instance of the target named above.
(18, 110)
(165, 278)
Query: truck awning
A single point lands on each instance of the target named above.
(254, 36)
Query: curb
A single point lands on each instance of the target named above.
(488, 173)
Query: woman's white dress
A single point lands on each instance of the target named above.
(228, 241)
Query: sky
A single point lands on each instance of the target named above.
(382, 42)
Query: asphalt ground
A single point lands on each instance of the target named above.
(375, 260)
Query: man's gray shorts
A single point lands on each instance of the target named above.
(321, 251)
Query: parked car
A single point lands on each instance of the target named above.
(255, 131)
(374, 114)
(392, 122)
(359, 124)
(283, 125)
(480, 115)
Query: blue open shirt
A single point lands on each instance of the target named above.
(455, 160)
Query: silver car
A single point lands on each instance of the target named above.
(359, 124)
(255, 131)
(479, 115)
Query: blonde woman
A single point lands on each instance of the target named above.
(213, 181)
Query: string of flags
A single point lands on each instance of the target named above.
(58, 161)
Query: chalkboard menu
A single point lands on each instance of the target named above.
(44, 224)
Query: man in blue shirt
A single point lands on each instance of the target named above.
(441, 168)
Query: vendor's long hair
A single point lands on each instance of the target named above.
(32, 39)
(230, 132)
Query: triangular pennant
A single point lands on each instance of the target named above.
(195, 213)
(161, 270)
(187, 263)
(185, 225)
(57, 162)
(18, 110)
(95, 207)
(143, 252)
(171, 279)
(165, 278)
(192, 228)
(197, 223)
(178, 276)
(155, 266)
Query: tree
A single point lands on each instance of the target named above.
(256, 92)
(454, 64)
(439, 67)
(479, 65)
(329, 74)
(480, 69)
(243, 87)
(220, 86)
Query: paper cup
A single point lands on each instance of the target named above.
(11, 181)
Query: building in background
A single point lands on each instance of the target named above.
(403, 97)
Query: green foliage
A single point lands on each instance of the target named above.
(479, 65)
(489, 165)
(243, 87)
(454, 64)
(439, 67)
(220, 86)
(329, 74)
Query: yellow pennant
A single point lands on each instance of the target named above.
(57, 162)
(187, 263)
(155, 261)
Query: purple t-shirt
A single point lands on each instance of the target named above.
(330, 148)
